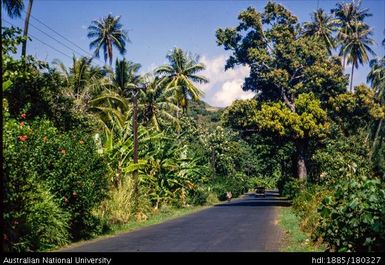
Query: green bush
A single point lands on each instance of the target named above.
(268, 183)
(33, 219)
(198, 196)
(354, 218)
(293, 187)
(341, 155)
(306, 204)
(36, 153)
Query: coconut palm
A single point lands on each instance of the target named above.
(125, 75)
(26, 26)
(348, 15)
(376, 77)
(181, 72)
(82, 81)
(157, 103)
(105, 34)
(356, 46)
(13, 7)
(322, 26)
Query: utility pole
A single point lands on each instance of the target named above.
(135, 93)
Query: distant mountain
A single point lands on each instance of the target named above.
(205, 114)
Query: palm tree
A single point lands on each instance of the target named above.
(82, 81)
(26, 26)
(348, 15)
(376, 77)
(181, 72)
(13, 7)
(157, 103)
(107, 33)
(125, 74)
(322, 26)
(356, 45)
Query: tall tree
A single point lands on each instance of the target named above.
(181, 72)
(126, 72)
(13, 7)
(107, 33)
(354, 34)
(356, 46)
(157, 104)
(26, 27)
(82, 81)
(322, 26)
(376, 77)
(129, 82)
(293, 76)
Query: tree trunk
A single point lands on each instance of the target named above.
(136, 147)
(351, 78)
(376, 136)
(301, 160)
(26, 26)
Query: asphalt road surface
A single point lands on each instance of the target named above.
(246, 224)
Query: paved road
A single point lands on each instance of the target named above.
(245, 224)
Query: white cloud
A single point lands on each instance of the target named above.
(230, 91)
(224, 86)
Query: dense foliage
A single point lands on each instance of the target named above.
(309, 119)
(88, 147)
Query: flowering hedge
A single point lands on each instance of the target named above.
(61, 172)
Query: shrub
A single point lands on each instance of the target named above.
(66, 163)
(306, 204)
(269, 183)
(33, 218)
(354, 218)
(293, 187)
(340, 155)
(198, 196)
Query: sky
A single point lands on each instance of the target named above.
(156, 26)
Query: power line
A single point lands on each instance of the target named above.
(56, 40)
(50, 46)
(53, 48)
(65, 38)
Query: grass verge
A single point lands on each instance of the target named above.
(295, 239)
(163, 216)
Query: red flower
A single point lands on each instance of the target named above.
(22, 124)
(23, 115)
(22, 138)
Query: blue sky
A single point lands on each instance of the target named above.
(155, 27)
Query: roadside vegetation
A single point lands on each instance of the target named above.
(90, 150)
(327, 135)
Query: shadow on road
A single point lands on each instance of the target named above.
(271, 198)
